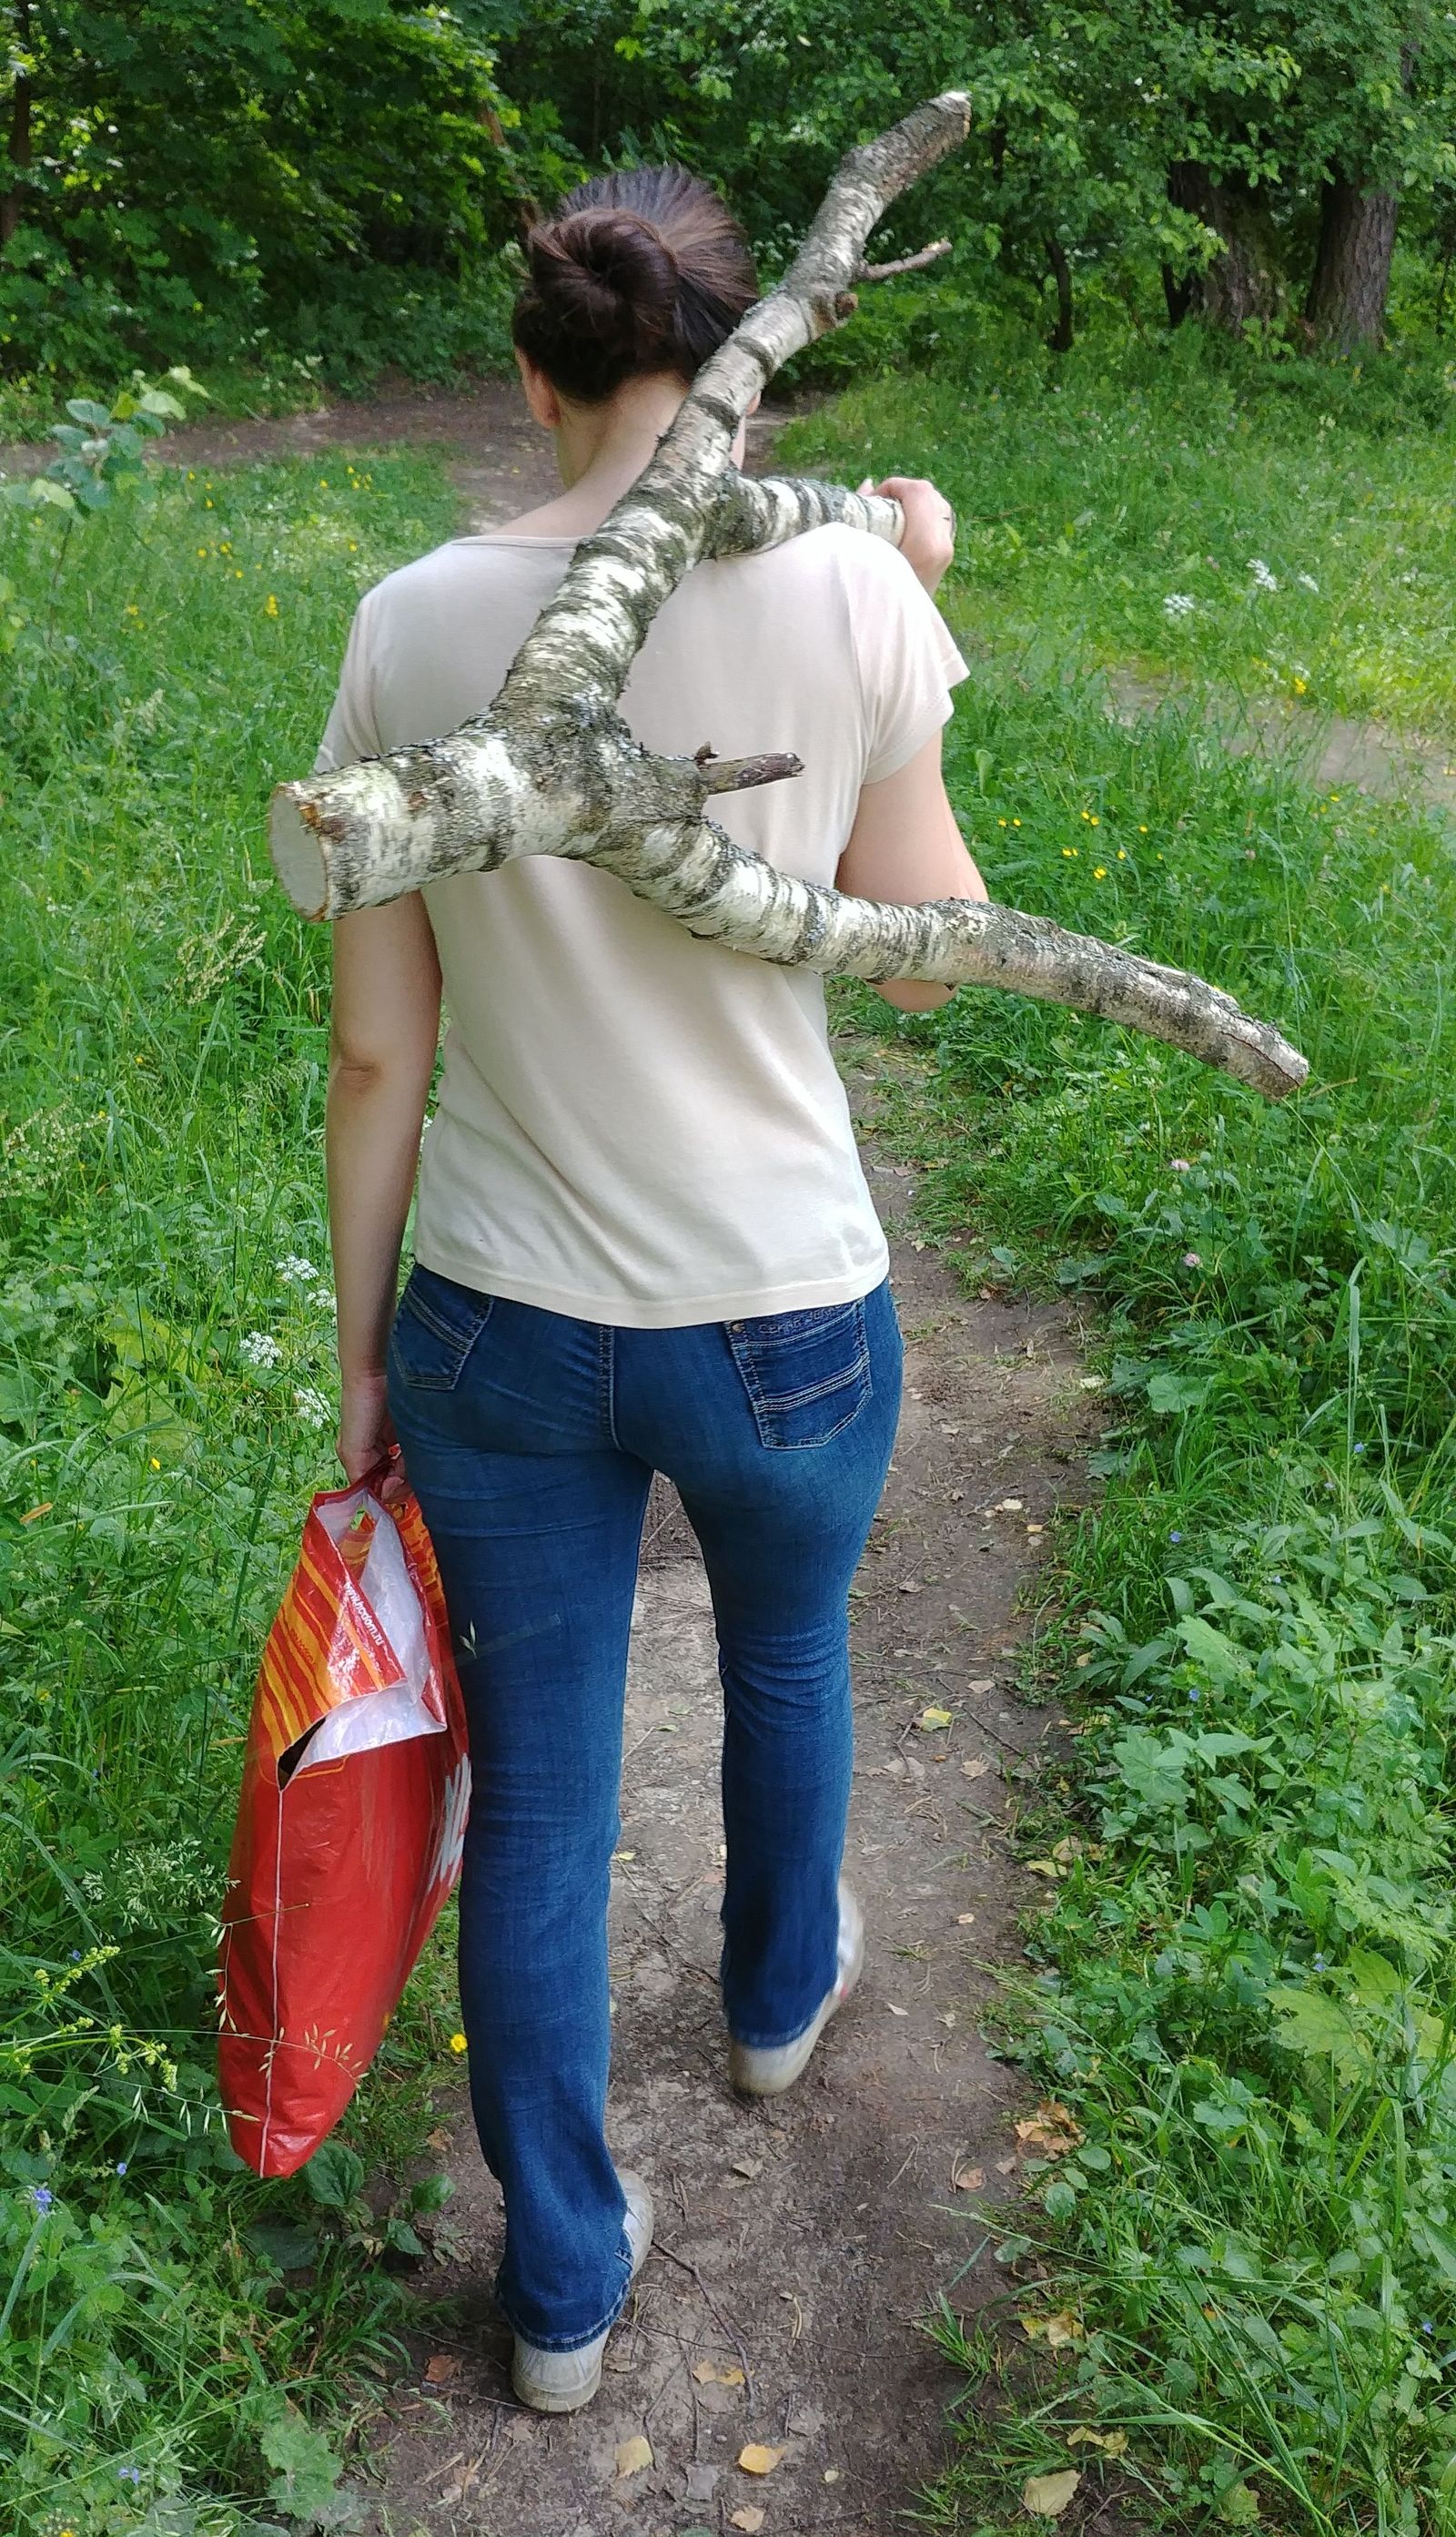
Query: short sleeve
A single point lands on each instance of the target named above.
(351, 730)
(908, 662)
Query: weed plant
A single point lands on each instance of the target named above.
(165, 1409)
(1242, 2232)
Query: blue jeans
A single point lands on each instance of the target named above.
(531, 1439)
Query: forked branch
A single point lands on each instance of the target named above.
(553, 769)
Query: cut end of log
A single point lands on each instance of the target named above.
(298, 857)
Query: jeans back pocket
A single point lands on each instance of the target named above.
(806, 1374)
(436, 1325)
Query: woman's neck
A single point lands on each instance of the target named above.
(601, 451)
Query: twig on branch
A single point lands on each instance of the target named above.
(904, 263)
(553, 769)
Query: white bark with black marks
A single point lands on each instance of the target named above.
(553, 769)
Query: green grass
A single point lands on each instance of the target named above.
(1243, 1976)
(162, 1060)
(1089, 497)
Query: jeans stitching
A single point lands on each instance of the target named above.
(606, 1379)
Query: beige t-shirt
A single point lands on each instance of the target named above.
(634, 1127)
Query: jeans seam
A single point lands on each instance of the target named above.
(607, 1363)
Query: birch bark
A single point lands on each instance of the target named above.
(553, 769)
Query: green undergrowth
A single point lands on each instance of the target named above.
(169, 2328)
(1240, 2222)
(1142, 502)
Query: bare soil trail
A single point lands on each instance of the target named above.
(800, 2242)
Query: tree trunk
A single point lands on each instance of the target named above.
(1351, 281)
(1177, 291)
(1241, 286)
(12, 199)
(1061, 338)
(553, 769)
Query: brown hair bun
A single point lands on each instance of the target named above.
(640, 272)
(608, 276)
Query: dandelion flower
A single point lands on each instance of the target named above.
(270, 606)
(457, 2042)
(1099, 871)
(259, 1349)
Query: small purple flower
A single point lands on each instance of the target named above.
(1174, 1537)
(1178, 1165)
(75, 1955)
(1360, 1448)
(1319, 1964)
(42, 2197)
(1192, 1260)
(1425, 2326)
(130, 2474)
(121, 2167)
(1194, 1695)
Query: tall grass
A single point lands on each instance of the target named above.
(164, 1412)
(1244, 2227)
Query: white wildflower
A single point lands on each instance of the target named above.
(1263, 577)
(296, 1272)
(1307, 581)
(311, 1406)
(259, 1349)
(1178, 603)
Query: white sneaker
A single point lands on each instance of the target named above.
(557, 2383)
(766, 2070)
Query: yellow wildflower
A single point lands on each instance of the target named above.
(457, 2042)
(1099, 871)
(270, 606)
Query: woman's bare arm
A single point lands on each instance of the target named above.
(904, 846)
(385, 1028)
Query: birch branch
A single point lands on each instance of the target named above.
(553, 768)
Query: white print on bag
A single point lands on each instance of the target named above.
(452, 1830)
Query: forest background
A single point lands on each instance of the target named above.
(1186, 381)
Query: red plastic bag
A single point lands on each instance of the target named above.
(350, 1825)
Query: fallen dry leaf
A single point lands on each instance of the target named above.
(633, 2455)
(986, 1683)
(969, 2179)
(35, 1513)
(1050, 2127)
(717, 2373)
(1046, 2495)
(893, 2011)
(911, 1585)
(831, 2475)
(1009, 1506)
(1056, 2331)
(1044, 1867)
(748, 2519)
(440, 2367)
(755, 2460)
(1113, 2445)
(1005, 2165)
(437, 2140)
(965, 1919)
(749, 2167)
(977, 1769)
(931, 1720)
(624, 1856)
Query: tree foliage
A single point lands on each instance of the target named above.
(210, 179)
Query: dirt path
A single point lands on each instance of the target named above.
(799, 2242)
(501, 463)
(1327, 750)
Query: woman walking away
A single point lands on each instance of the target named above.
(643, 1241)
